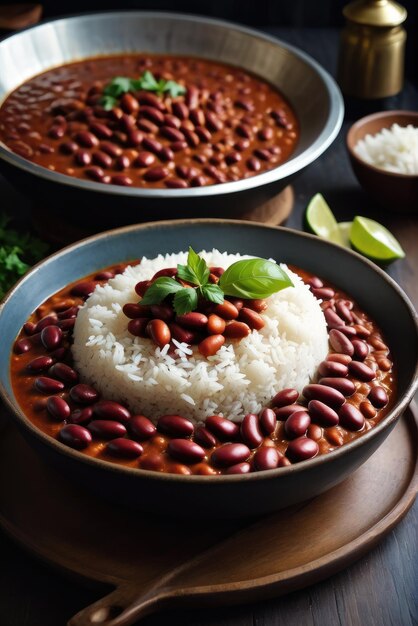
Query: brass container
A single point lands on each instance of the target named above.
(372, 49)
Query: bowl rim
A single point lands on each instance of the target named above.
(381, 115)
(136, 473)
(290, 167)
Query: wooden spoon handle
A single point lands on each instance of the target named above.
(122, 607)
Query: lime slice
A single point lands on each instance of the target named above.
(320, 220)
(374, 240)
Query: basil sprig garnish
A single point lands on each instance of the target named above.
(147, 82)
(248, 278)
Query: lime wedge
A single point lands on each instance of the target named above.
(374, 240)
(320, 220)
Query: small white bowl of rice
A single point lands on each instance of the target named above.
(383, 150)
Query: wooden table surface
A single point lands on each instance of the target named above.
(381, 589)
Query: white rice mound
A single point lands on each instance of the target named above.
(242, 377)
(394, 149)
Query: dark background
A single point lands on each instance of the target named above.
(258, 13)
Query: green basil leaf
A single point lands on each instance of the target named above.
(160, 289)
(108, 102)
(148, 81)
(253, 278)
(212, 293)
(185, 300)
(185, 273)
(174, 89)
(198, 266)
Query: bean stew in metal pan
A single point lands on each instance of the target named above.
(352, 390)
(150, 121)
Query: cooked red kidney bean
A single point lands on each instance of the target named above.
(86, 139)
(63, 372)
(110, 410)
(348, 331)
(322, 414)
(83, 394)
(75, 436)
(334, 436)
(122, 180)
(361, 371)
(253, 164)
(110, 148)
(58, 408)
(175, 425)
(378, 397)
(301, 449)
(135, 311)
(251, 318)
(70, 312)
(258, 305)
(339, 358)
(333, 320)
(221, 427)
(124, 448)
(22, 345)
(384, 364)
(182, 334)
(211, 345)
(236, 330)
(48, 320)
(159, 332)
(129, 103)
(82, 157)
(350, 417)
(215, 325)
(107, 429)
(39, 364)
(330, 396)
(193, 320)
(83, 288)
(186, 451)
(29, 328)
(340, 342)
(361, 349)
(51, 337)
(343, 311)
(156, 173)
(332, 368)
(285, 397)
(138, 327)
(250, 430)
(68, 147)
(226, 310)
(230, 454)
(238, 468)
(81, 416)
(100, 130)
(283, 412)
(204, 437)
(141, 287)
(153, 462)
(67, 324)
(266, 458)
(140, 427)
(262, 154)
(268, 420)
(176, 183)
(162, 311)
(314, 432)
(343, 385)
(297, 424)
(48, 385)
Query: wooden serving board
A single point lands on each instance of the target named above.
(156, 563)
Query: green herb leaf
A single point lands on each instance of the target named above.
(253, 278)
(160, 289)
(196, 271)
(17, 252)
(123, 84)
(174, 89)
(185, 300)
(213, 293)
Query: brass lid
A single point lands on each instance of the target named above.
(375, 12)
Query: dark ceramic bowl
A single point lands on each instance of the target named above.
(395, 192)
(312, 92)
(221, 496)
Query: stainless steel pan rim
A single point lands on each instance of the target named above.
(286, 170)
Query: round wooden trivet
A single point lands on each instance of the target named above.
(154, 563)
(54, 228)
